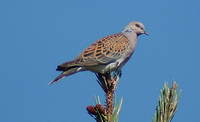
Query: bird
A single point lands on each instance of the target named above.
(106, 54)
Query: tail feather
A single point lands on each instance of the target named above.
(59, 77)
(66, 73)
(67, 65)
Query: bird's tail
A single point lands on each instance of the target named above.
(68, 65)
(65, 73)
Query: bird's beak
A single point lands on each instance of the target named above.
(146, 33)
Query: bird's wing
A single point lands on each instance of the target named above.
(105, 50)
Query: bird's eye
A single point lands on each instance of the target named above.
(137, 25)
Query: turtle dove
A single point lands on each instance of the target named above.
(107, 54)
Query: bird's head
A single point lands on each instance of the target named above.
(137, 27)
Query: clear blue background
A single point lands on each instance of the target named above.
(37, 35)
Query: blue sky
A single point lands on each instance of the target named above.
(37, 35)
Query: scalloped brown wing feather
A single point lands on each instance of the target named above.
(104, 51)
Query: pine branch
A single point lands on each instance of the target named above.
(167, 104)
(108, 112)
(165, 110)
